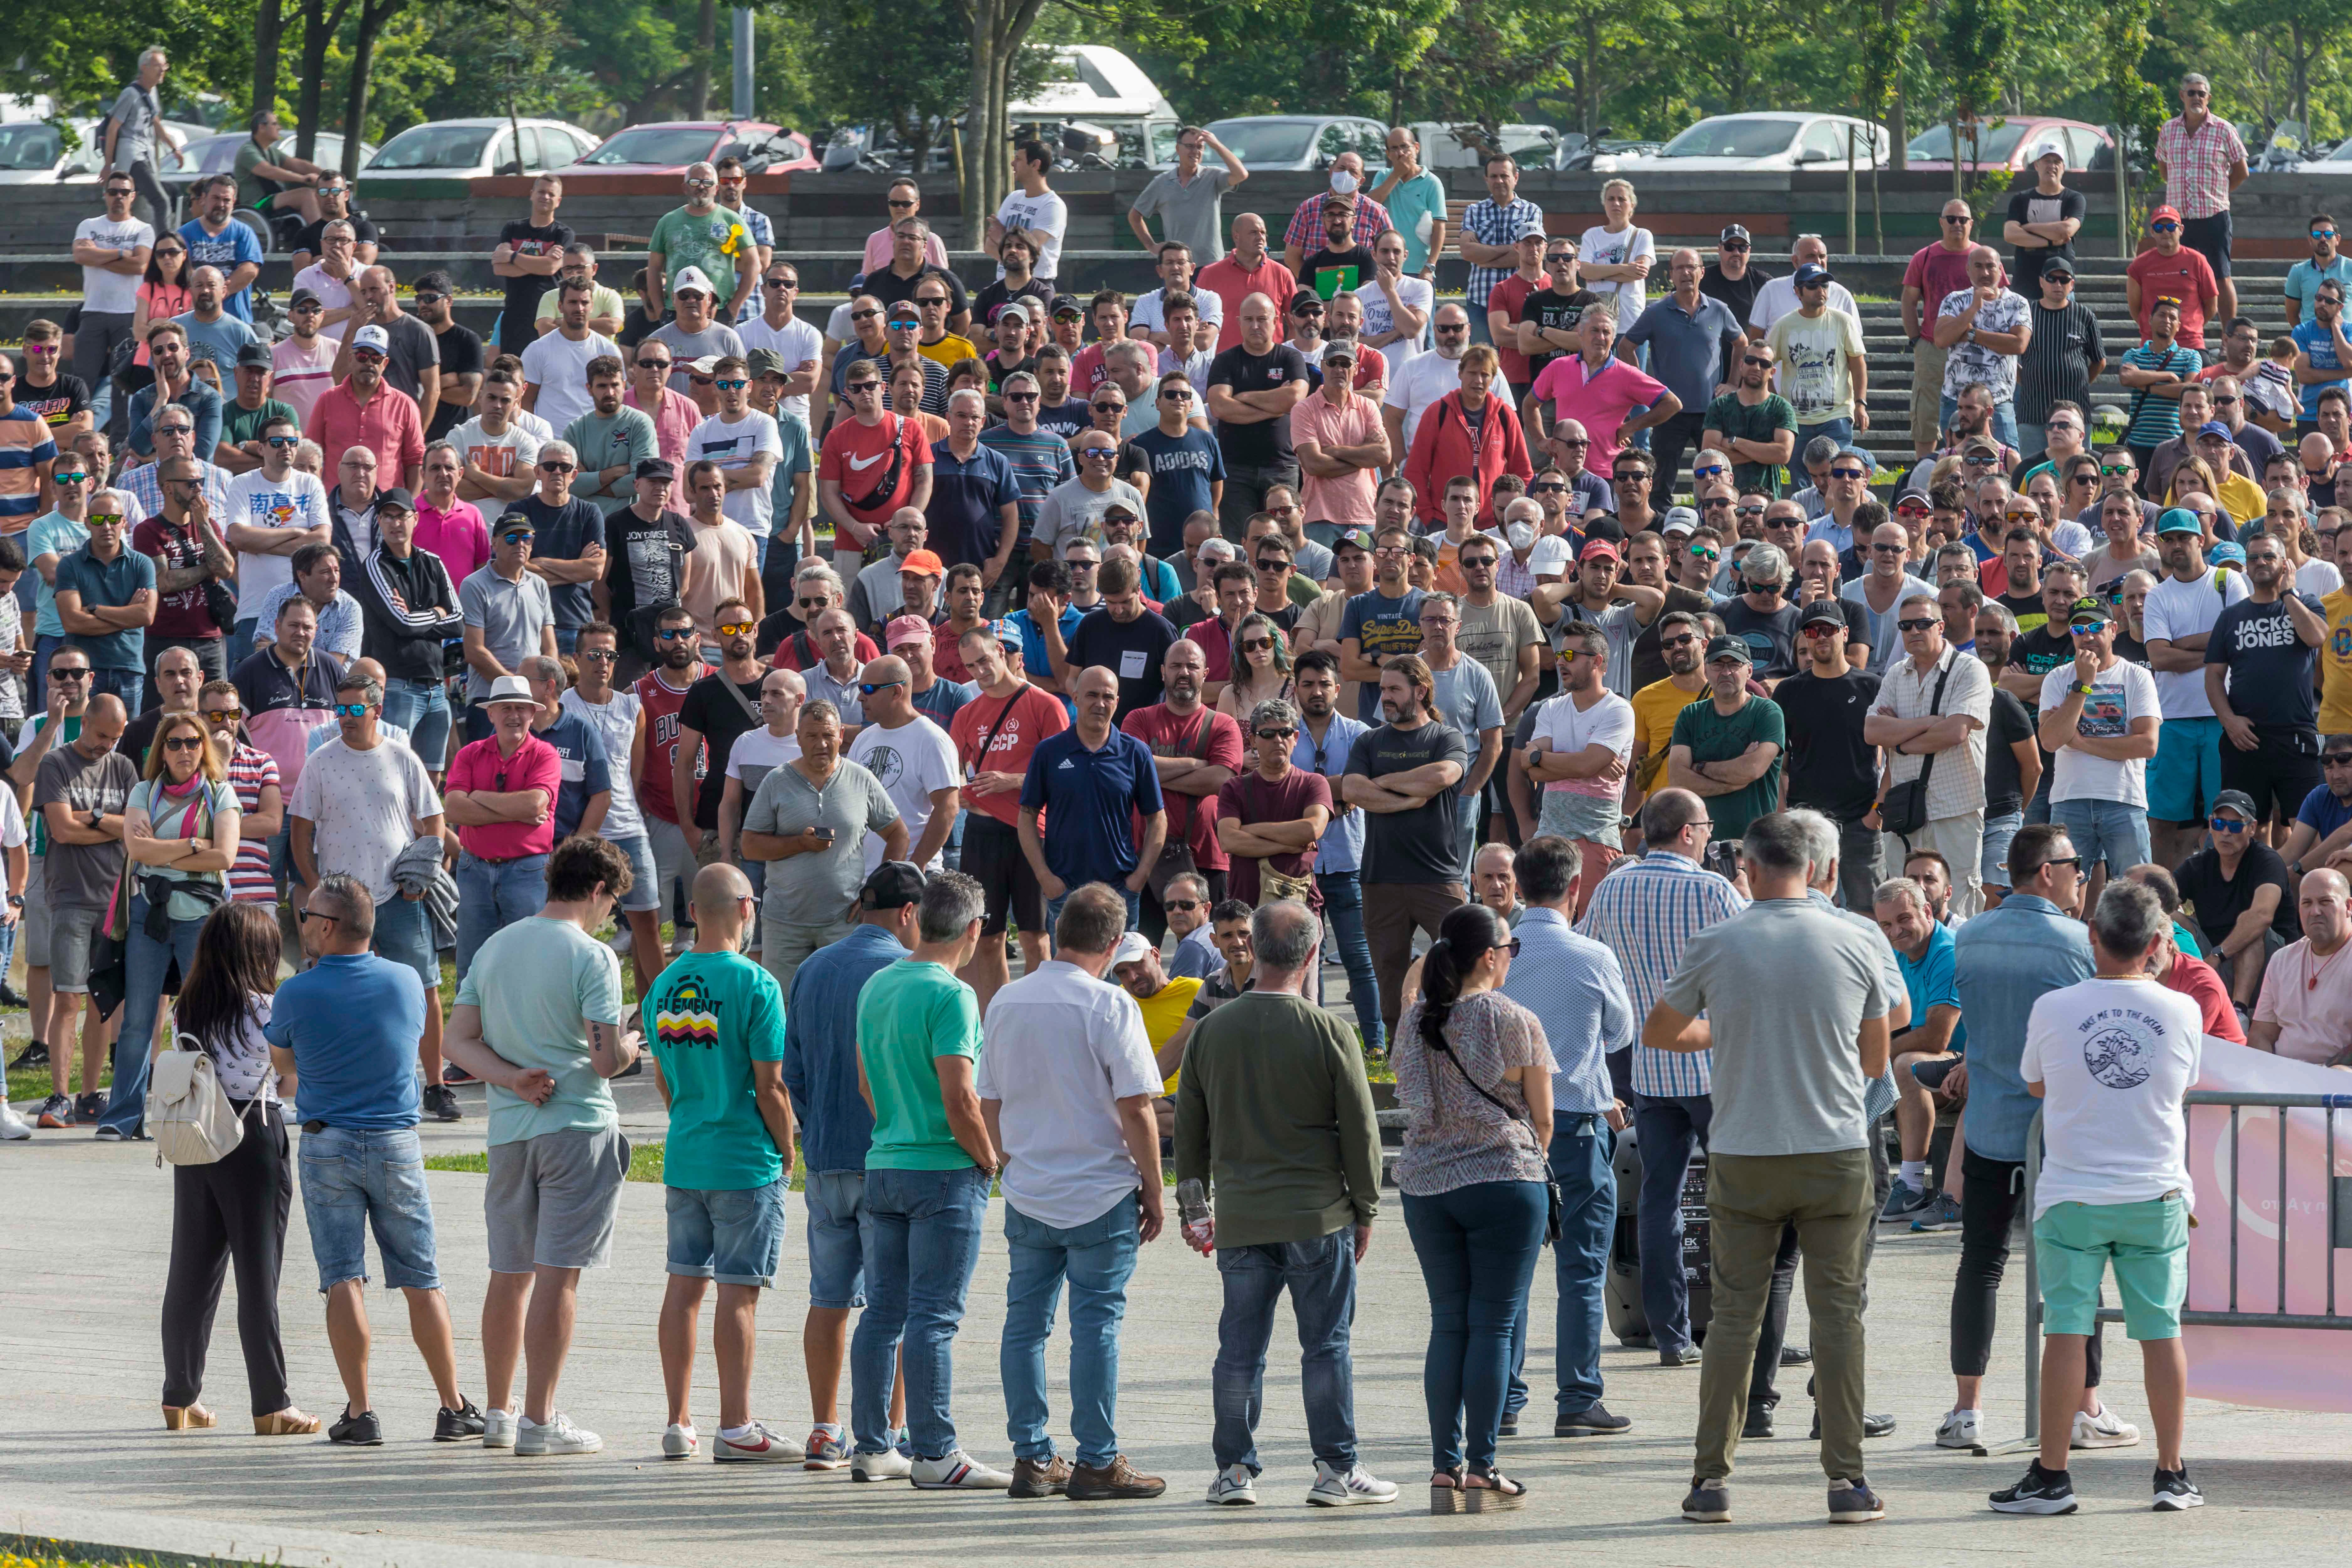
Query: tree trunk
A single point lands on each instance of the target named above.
(319, 25)
(1898, 130)
(706, 38)
(373, 18)
(268, 37)
(999, 28)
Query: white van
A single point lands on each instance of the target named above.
(1098, 88)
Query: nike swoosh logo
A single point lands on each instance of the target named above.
(861, 464)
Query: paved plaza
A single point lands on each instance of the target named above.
(83, 1456)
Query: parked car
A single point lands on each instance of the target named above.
(1268, 141)
(1102, 90)
(471, 149)
(215, 153)
(2005, 143)
(669, 146)
(33, 152)
(1533, 147)
(1759, 143)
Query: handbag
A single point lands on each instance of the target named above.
(1176, 857)
(189, 1115)
(1273, 886)
(1904, 810)
(1553, 1203)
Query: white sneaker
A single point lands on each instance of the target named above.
(757, 1444)
(679, 1442)
(499, 1427)
(13, 1129)
(890, 1465)
(622, 940)
(1960, 1429)
(556, 1434)
(1334, 1489)
(1235, 1486)
(2105, 1430)
(957, 1472)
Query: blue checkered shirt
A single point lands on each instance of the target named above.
(141, 485)
(1576, 990)
(1646, 914)
(1491, 225)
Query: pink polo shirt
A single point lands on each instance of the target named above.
(1346, 501)
(2310, 999)
(458, 536)
(1600, 400)
(535, 766)
(673, 423)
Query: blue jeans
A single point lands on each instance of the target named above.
(1343, 903)
(924, 1242)
(2104, 829)
(567, 639)
(1134, 904)
(1477, 1247)
(1096, 1258)
(1838, 430)
(1581, 1148)
(150, 963)
(1667, 1131)
(421, 708)
(1321, 1278)
(240, 641)
(126, 684)
(2004, 421)
(493, 895)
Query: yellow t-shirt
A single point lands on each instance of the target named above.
(949, 351)
(1163, 1012)
(1654, 707)
(2336, 664)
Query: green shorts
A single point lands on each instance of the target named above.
(2148, 1243)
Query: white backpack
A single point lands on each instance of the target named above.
(188, 1112)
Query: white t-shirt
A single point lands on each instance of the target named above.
(1419, 293)
(300, 377)
(333, 292)
(1148, 315)
(912, 761)
(505, 455)
(2114, 1058)
(733, 447)
(2124, 692)
(558, 368)
(1045, 211)
(615, 723)
(2318, 578)
(112, 293)
(1599, 247)
(1816, 375)
(1569, 730)
(795, 342)
(364, 806)
(1778, 297)
(257, 501)
(2176, 610)
(12, 817)
(758, 754)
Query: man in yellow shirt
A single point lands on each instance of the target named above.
(2335, 652)
(1682, 637)
(1135, 966)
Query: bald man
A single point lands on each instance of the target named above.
(1983, 329)
(911, 755)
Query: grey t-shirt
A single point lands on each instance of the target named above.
(135, 110)
(1189, 212)
(1466, 699)
(82, 875)
(716, 339)
(1412, 846)
(510, 616)
(816, 889)
(1786, 987)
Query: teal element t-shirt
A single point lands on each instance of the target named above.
(708, 1017)
(909, 1014)
(548, 976)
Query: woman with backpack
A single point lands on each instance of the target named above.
(232, 1211)
(1473, 1077)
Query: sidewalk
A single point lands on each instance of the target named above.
(80, 1441)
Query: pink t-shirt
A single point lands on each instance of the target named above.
(672, 424)
(457, 536)
(1348, 500)
(1936, 272)
(1600, 400)
(878, 251)
(535, 766)
(2310, 999)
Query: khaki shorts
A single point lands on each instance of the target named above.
(553, 1199)
(1926, 393)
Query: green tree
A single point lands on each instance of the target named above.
(2138, 109)
(1980, 48)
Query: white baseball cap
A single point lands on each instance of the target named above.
(1134, 945)
(692, 277)
(1549, 556)
(372, 337)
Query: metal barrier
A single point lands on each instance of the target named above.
(2337, 1232)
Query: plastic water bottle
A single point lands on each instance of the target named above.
(1193, 1204)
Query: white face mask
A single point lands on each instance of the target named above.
(1520, 535)
(1343, 181)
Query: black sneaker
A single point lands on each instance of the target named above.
(1874, 1422)
(2175, 1491)
(1686, 1356)
(452, 1073)
(360, 1431)
(1796, 1355)
(1759, 1422)
(1708, 1502)
(441, 1104)
(2049, 1491)
(459, 1426)
(1852, 1502)
(1509, 1425)
(11, 997)
(36, 1055)
(1594, 1420)
(89, 1108)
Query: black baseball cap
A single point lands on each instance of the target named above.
(1729, 647)
(892, 885)
(1821, 613)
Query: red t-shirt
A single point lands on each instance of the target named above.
(1029, 715)
(947, 651)
(661, 703)
(788, 652)
(183, 614)
(2195, 979)
(1510, 296)
(1936, 272)
(2184, 276)
(1233, 283)
(858, 457)
(1248, 798)
(1192, 819)
(534, 765)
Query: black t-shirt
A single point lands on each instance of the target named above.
(1065, 419)
(2031, 613)
(998, 369)
(2004, 785)
(2030, 205)
(776, 629)
(1421, 846)
(989, 300)
(1554, 312)
(645, 571)
(1329, 271)
(1772, 637)
(1130, 650)
(634, 325)
(889, 288)
(517, 321)
(2269, 666)
(1266, 443)
(2217, 901)
(722, 720)
(461, 354)
(2038, 652)
(313, 236)
(1830, 767)
(1649, 656)
(2130, 648)
(60, 401)
(1738, 295)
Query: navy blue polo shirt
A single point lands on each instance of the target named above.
(1690, 352)
(1090, 799)
(587, 769)
(965, 496)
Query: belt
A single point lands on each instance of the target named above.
(505, 861)
(1578, 1123)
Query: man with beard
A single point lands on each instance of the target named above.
(2182, 613)
(1421, 380)
(709, 721)
(2258, 663)
(1831, 768)
(650, 552)
(657, 756)
(1195, 751)
(1406, 776)
(1576, 758)
(1753, 424)
(1594, 594)
(995, 734)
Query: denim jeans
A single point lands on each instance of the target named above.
(421, 708)
(1582, 1150)
(240, 640)
(1096, 1258)
(493, 895)
(149, 963)
(126, 684)
(2004, 422)
(1343, 903)
(1478, 1246)
(1321, 1278)
(1134, 905)
(1838, 430)
(2104, 829)
(1667, 1130)
(924, 1243)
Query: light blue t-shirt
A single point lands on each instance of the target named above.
(1932, 981)
(55, 534)
(551, 977)
(795, 459)
(1414, 201)
(2303, 279)
(217, 341)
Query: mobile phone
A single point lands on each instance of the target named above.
(1722, 858)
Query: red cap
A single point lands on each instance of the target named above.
(1593, 547)
(2172, 213)
(924, 560)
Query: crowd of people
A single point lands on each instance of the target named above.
(1845, 822)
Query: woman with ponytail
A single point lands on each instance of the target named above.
(1473, 1076)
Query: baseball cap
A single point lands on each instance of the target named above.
(2048, 147)
(1065, 303)
(515, 521)
(1811, 273)
(1859, 456)
(703, 366)
(1531, 229)
(372, 337)
(2213, 428)
(256, 354)
(1821, 613)
(1680, 520)
(892, 885)
(1729, 647)
(1340, 349)
(2225, 553)
(2161, 213)
(656, 468)
(1125, 512)
(1134, 945)
(692, 281)
(2058, 269)
(2088, 609)
(397, 498)
(302, 297)
(2179, 520)
(924, 560)
(1007, 634)
(1738, 231)
(1549, 558)
(1013, 308)
(1597, 547)
(903, 629)
(1353, 538)
(2239, 801)
(765, 361)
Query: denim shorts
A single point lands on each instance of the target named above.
(2147, 1242)
(836, 1238)
(736, 1237)
(403, 933)
(1993, 868)
(645, 883)
(352, 1179)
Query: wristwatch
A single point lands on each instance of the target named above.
(2081, 689)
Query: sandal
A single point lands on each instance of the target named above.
(187, 1418)
(1491, 1491)
(1445, 1492)
(287, 1423)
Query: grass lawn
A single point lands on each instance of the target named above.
(645, 1166)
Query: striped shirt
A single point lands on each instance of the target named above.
(1646, 914)
(251, 770)
(342, 624)
(25, 447)
(1041, 461)
(2155, 420)
(1491, 225)
(2057, 360)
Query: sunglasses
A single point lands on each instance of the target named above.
(738, 628)
(285, 441)
(1987, 460)
(673, 634)
(1177, 394)
(1275, 565)
(868, 688)
(2164, 229)
(1685, 640)
(425, 297)
(1707, 554)
(558, 465)
(1738, 247)
(2225, 825)
(2336, 760)
(517, 538)
(863, 315)
(652, 364)
(597, 656)
(1762, 360)
(1021, 397)
(1886, 550)
(1917, 624)
(1748, 510)
(1447, 330)
(1824, 631)
(2323, 233)
(307, 916)
(2086, 628)
(1949, 218)
(782, 282)
(854, 387)
(1849, 473)
(1184, 906)
(184, 743)
(56, 674)
(218, 717)
(736, 384)
(1110, 407)
(67, 479)
(1630, 475)
(1258, 645)
(1104, 453)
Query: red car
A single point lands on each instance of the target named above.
(2005, 143)
(669, 146)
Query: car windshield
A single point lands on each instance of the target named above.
(658, 144)
(1734, 136)
(29, 144)
(1993, 145)
(435, 147)
(1266, 141)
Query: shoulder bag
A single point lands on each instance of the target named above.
(1551, 1183)
(189, 1115)
(1272, 885)
(1904, 810)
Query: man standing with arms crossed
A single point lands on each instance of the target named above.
(1935, 271)
(1931, 715)
(1407, 776)
(995, 734)
(2202, 160)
